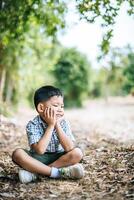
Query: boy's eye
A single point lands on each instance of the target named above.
(56, 105)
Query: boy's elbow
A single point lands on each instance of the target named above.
(38, 150)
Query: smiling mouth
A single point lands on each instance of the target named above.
(59, 115)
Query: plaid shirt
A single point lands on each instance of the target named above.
(36, 128)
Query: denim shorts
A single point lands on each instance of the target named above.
(46, 158)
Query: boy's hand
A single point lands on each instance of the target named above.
(50, 116)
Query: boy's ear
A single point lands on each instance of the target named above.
(40, 107)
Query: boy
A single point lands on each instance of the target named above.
(52, 150)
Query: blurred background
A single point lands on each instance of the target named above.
(86, 48)
(83, 47)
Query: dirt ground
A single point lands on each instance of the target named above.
(105, 132)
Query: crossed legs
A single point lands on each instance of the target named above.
(28, 163)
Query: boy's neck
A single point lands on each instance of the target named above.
(42, 119)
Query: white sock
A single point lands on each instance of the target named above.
(55, 173)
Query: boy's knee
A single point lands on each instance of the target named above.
(16, 154)
(76, 154)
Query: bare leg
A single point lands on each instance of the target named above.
(70, 158)
(30, 164)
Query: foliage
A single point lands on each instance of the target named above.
(105, 11)
(96, 91)
(9, 64)
(72, 76)
(114, 79)
(3, 110)
(129, 74)
(29, 51)
(98, 85)
(17, 18)
(37, 60)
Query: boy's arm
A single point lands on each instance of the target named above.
(65, 140)
(41, 145)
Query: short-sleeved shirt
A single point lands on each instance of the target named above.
(36, 129)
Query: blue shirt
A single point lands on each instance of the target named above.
(36, 129)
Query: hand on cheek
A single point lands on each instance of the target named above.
(50, 116)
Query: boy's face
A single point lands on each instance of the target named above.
(57, 104)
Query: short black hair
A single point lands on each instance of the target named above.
(45, 93)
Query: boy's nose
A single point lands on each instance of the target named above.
(59, 109)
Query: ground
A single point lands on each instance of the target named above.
(104, 129)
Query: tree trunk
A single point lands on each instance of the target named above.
(9, 90)
(2, 83)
